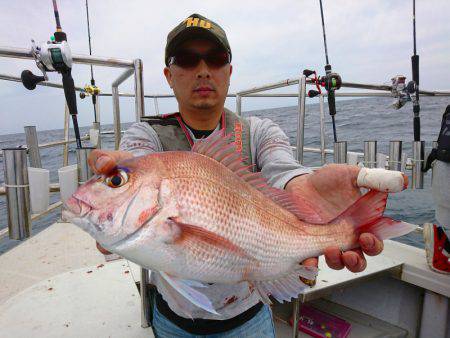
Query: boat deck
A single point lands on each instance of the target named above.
(57, 284)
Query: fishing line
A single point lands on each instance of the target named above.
(94, 96)
(331, 81)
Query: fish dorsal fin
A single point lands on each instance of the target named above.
(220, 147)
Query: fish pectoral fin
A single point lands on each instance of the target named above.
(190, 233)
(195, 297)
(288, 287)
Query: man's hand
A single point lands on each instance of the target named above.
(103, 161)
(334, 188)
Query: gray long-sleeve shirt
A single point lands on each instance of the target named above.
(272, 154)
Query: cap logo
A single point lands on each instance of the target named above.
(197, 22)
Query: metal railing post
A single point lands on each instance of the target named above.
(323, 156)
(395, 155)
(84, 170)
(32, 145)
(370, 154)
(238, 105)
(145, 300)
(139, 89)
(301, 118)
(66, 136)
(155, 101)
(340, 152)
(116, 104)
(417, 161)
(17, 192)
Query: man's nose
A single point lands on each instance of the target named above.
(203, 70)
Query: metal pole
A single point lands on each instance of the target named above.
(417, 162)
(116, 117)
(66, 136)
(32, 146)
(370, 154)
(155, 101)
(395, 155)
(296, 318)
(23, 53)
(301, 118)
(17, 192)
(340, 152)
(139, 89)
(116, 104)
(84, 170)
(238, 104)
(145, 300)
(323, 156)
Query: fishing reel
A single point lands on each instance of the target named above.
(331, 82)
(49, 56)
(400, 91)
(89, 90)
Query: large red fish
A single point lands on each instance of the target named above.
(203, 216)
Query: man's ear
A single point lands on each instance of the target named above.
(168, 75)
(231, 69)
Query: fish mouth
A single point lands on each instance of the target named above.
(75, 208)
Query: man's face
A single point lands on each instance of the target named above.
(201, 87)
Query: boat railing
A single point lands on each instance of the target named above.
(20, 191)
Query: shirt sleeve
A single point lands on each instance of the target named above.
(272, 153)
(140, 139)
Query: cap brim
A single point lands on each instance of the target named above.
(190, 34)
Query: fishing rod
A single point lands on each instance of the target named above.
(413, 86)
(92, 89)
(55, 55)
(331, 81)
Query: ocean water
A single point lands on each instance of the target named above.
(357, 121)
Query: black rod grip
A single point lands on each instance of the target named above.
(331, 102)
(308, 72)
(416, 122)
(415, 68)
(69, 92)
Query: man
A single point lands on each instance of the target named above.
(198, 69)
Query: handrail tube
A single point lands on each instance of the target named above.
(280, 84)
(301, 119)
(152, 96)
(323, 157)
(139, 89)
(22, 53)
(116, 104)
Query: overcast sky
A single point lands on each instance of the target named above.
(368, 41)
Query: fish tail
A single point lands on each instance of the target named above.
(366, 214)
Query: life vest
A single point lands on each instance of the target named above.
(442, 152)
(174, 137)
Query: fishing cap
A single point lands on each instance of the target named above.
(195, 26)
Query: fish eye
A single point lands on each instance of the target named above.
(117, 179)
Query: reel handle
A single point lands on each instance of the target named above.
(308, 72)
(29, 80)
(313, 93)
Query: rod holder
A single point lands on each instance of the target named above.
(33, 146)
(395, 155)
(84, 171)
(17, 193)
(340, 152)
(417, 164)
(370, 154)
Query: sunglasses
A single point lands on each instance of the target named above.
(188, 59)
